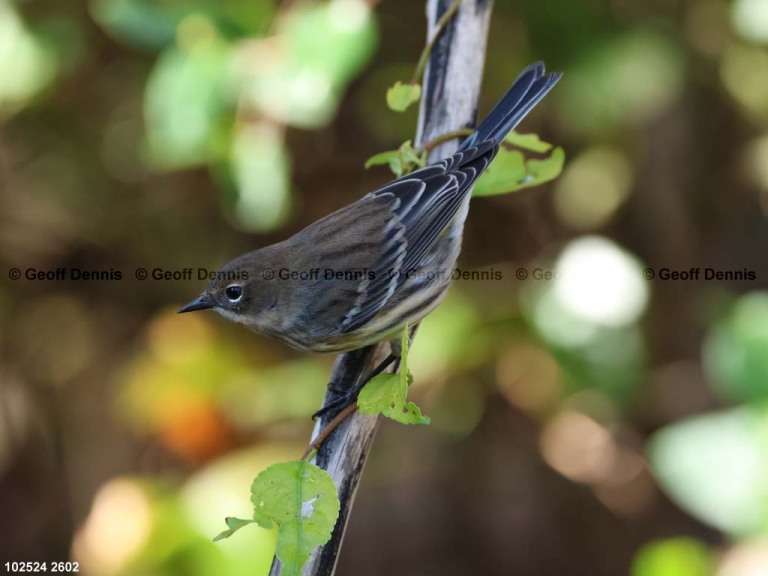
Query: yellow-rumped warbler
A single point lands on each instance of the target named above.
(360, 274)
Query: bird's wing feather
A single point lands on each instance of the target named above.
(422, 204)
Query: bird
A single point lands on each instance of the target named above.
(359, 275)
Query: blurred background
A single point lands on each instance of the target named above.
(600, 408)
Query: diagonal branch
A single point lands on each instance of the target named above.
(449, 102)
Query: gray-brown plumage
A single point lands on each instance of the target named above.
(362, 273)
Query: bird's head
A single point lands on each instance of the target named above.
(246, 290)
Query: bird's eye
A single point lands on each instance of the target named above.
(234, 293)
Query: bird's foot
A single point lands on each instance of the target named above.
(337, 405)
(347, 397)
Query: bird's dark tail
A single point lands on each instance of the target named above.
(527, 91)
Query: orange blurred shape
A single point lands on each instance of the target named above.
(193, 428)
(628, 490)
(586, 451)
(578, 447)
(529, 378)
(175, 339)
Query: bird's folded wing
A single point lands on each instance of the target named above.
(420, 207)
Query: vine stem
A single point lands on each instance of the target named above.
(325, 432)
(441, 24)
(447, 137)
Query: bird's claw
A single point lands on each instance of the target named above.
(337, 405)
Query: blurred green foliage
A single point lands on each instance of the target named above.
(735, 351)
(29, 63)
(230, 77)
(673, 557)
(686, 455)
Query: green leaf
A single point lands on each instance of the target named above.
(411, 414)
(391, 157)
(404, 160)
(510, 172)
(546, 169)
(401, 96)
(301, 500)
(529, 142)
(715, 466)
(673, 557)
(234, 525)
(386, 393)
(380, 394)
(411, 158)
(503, 175)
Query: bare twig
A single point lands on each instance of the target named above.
(449, 103)
(318, 440)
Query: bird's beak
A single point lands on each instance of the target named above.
(201, 303)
